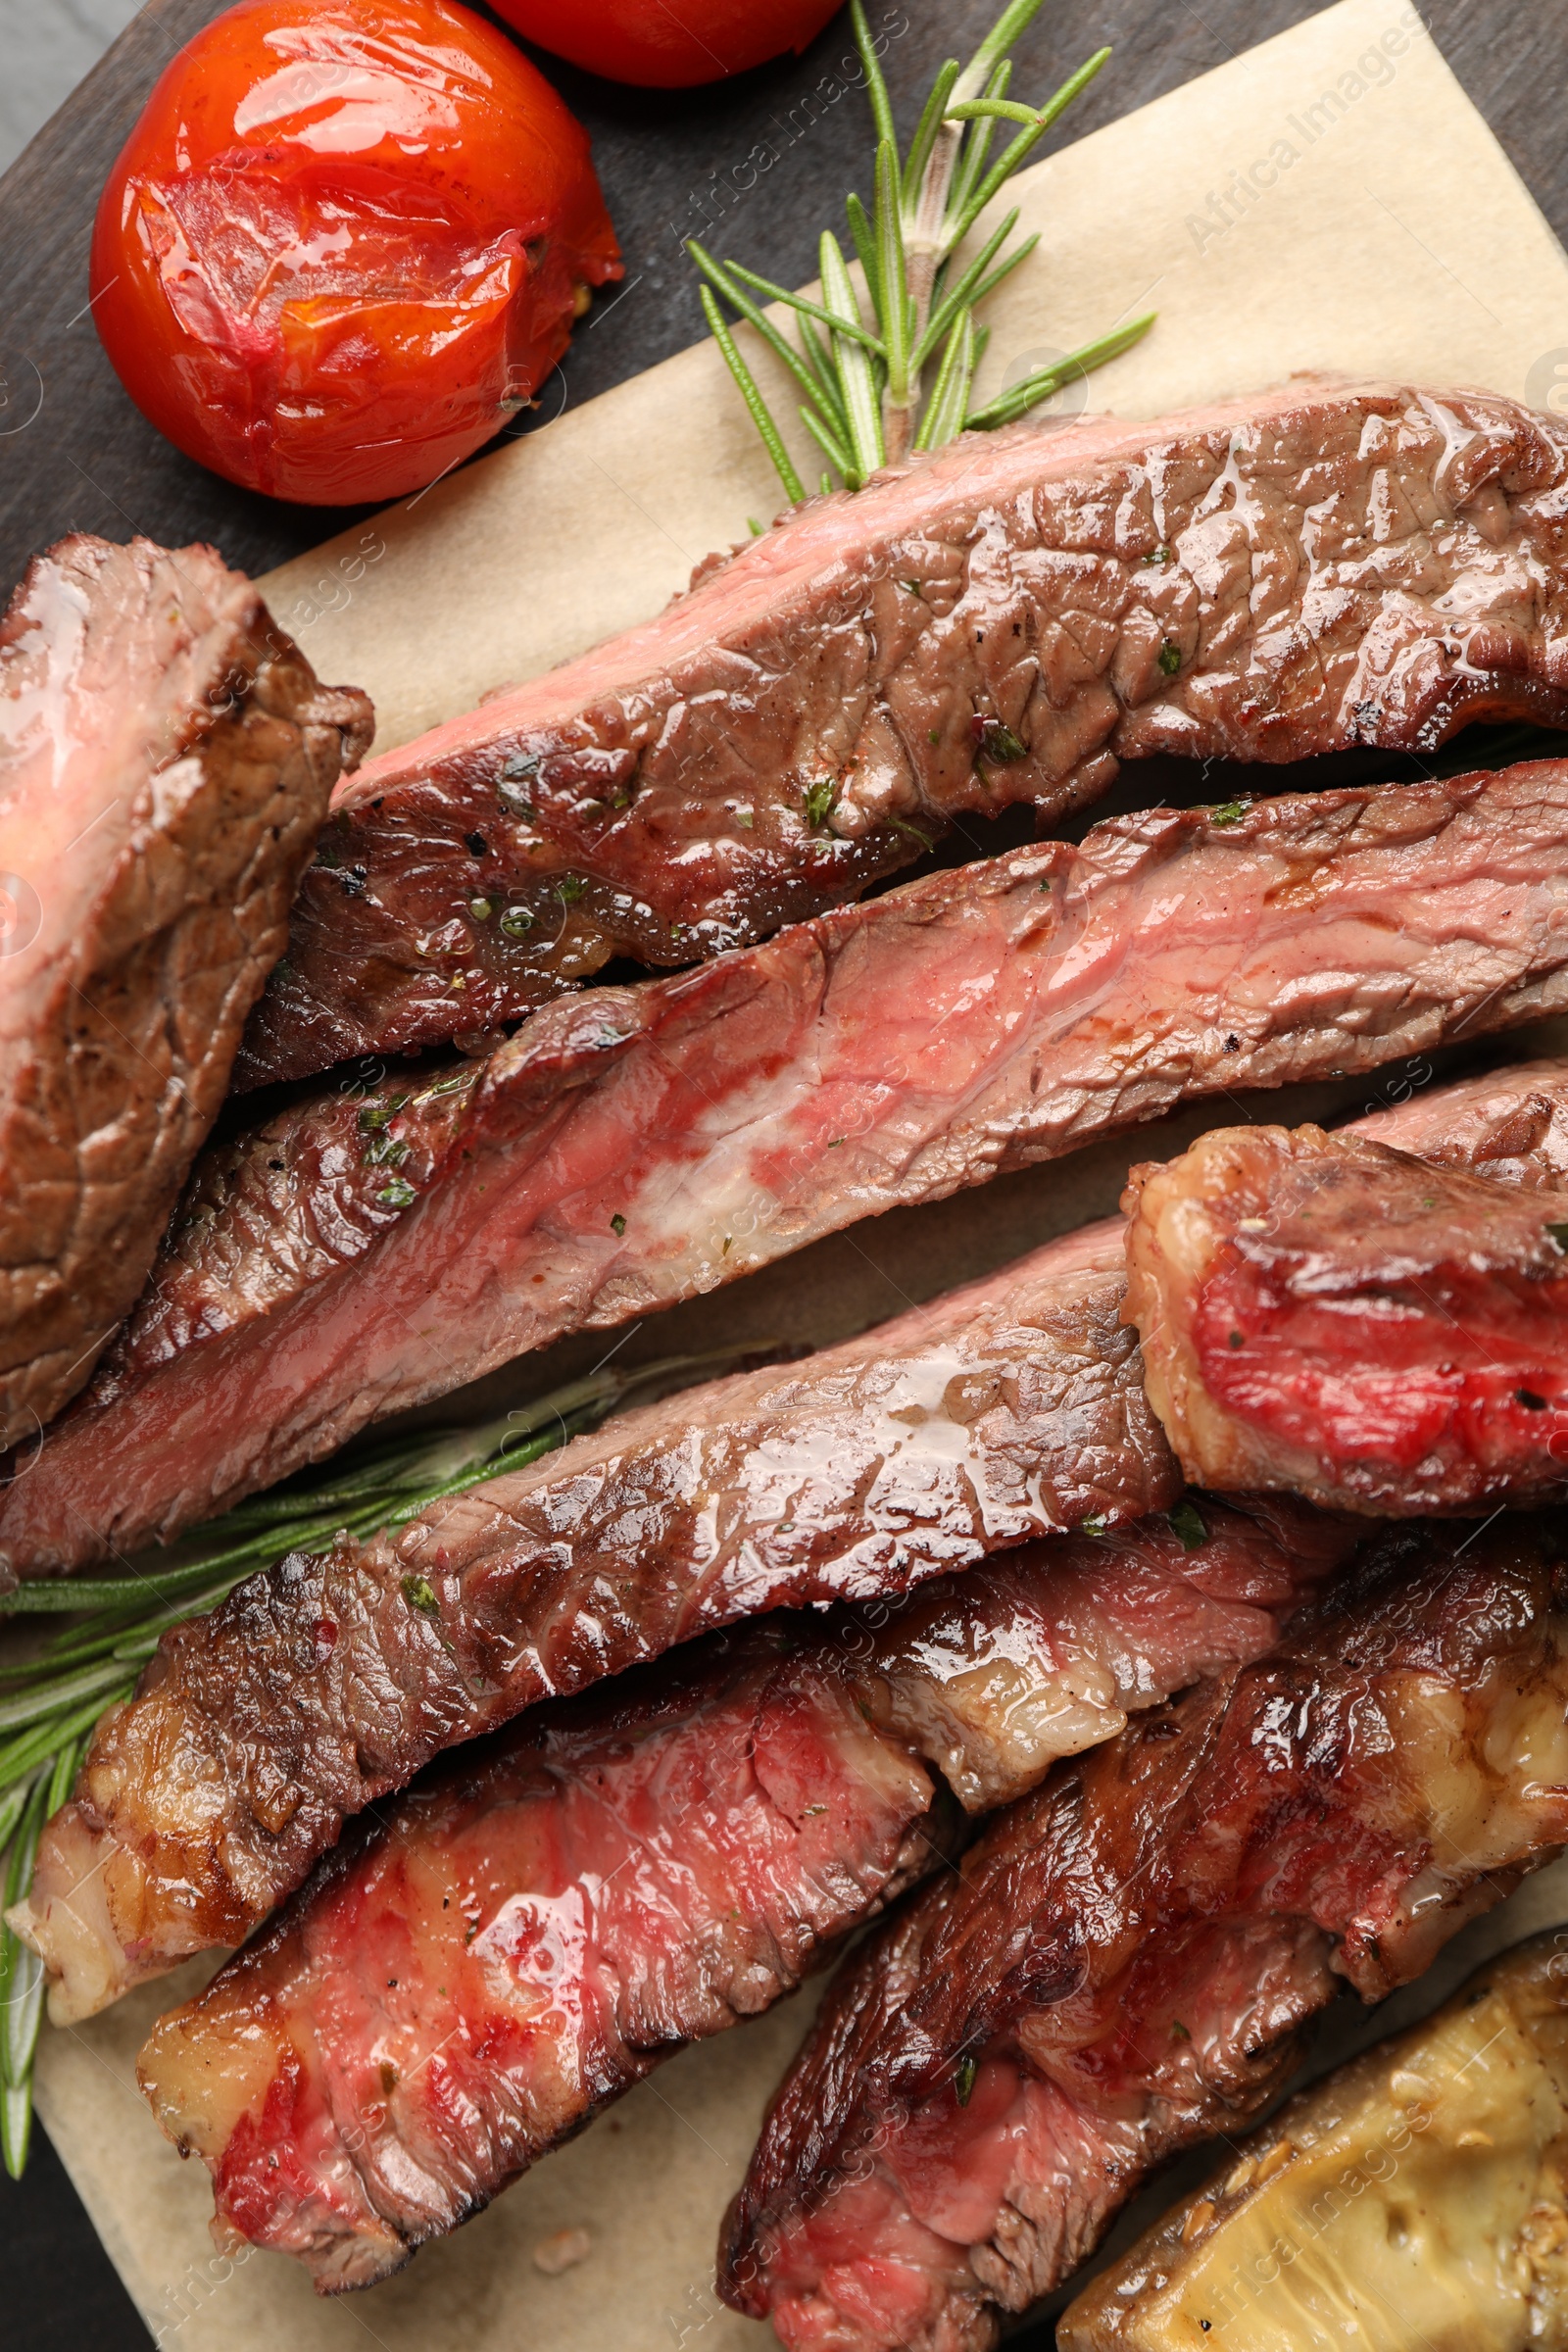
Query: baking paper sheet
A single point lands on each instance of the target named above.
(1332, 201)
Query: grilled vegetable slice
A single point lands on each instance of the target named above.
(1417, 2196)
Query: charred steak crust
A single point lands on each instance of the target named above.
(532, 1927)
(165, 760)
(1122, 1963)
(638, 1145)
(1287, 574)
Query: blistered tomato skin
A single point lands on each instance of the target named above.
(345, 242)
(668, 48)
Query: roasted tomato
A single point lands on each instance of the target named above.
(346, 241)
(664, 48)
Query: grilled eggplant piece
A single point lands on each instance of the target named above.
(1416, 2197)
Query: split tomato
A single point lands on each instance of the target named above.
(668, 48)
(345, 241)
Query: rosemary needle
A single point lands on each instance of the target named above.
(866, 401)
(51, 1701)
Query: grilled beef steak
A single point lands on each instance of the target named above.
(1327, 1315)
(1009, 1409)
(1120, 1967)
(1277, 576)
(636, 1146)
(527, 1933)
(165, 760)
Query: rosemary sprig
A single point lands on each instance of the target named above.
(50, 1703)
(864, 384)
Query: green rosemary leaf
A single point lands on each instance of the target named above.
(927, 130)
(15, 2130)
(41, 1743)
(1017, 402)
(995, 110)
(21, 1987)
(828, 400)
(735, 295)
(19, 1867)
(1006, 269)
(976, 146)
(12, 1807)
(834, 451)
(863, 233)
(876, 88)
(854, 366)
(772, 439)
(944, 414)
(1015, 19)
(1025, 143)
(851, 324)
(892, 278)
(30, 1706)
(965, 293)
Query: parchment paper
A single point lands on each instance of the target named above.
(1380, 229)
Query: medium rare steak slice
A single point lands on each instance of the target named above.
(1006, 1410)
(165, 759)
(639, 1145)
(1120, 1966)
(1324, 1314)
(1285, 574)
(524, 1936)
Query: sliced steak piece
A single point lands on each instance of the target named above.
(166, 761)
(1009, 1410)
(1324, 1314)
(1121, 1966)
(639, 1145)
(1512, 1123)
(1004, 1411)
(524, 1936)
(1284, 574)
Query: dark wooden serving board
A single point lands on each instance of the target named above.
(75, 453)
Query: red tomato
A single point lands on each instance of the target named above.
(662, 47)
(346, 241)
